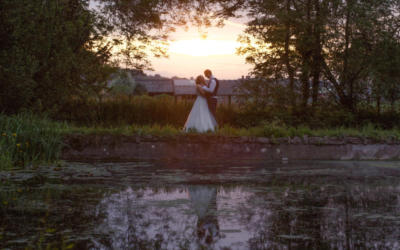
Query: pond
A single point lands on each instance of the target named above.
(202, 205)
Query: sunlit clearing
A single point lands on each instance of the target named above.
(204, 47)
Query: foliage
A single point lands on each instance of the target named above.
(385, 74)
(324, 48)
(27, 139)
(49, 51)
(342, 57)
(143, 26)
(123, 83)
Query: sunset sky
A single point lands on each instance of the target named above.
(190, 54)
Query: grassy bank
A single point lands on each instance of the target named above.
(27, 139)
(268, 130)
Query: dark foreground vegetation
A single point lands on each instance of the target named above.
(309, 57)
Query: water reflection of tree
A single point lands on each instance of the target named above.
(329, 209)
(310, 216)
(292, 214)
(141, 219)
(132, 219)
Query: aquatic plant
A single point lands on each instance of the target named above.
(28, 139)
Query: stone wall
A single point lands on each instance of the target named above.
(125, 148)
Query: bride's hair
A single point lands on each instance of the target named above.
(200, 80)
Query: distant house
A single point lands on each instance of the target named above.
(185, 89)
(155, 85)
(158, 86)
(228, 91)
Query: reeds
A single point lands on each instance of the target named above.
(124, 110)
(27, 139)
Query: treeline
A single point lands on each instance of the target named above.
(58, 50)
(49, 52)
(341, 52)
(311, 58)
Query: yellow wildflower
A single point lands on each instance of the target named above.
(14, 134)
(18, 144)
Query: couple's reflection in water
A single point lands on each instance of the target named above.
(203, 199)
(331, 206)
(202, 210)
(159, 218)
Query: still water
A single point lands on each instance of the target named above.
(202, 205)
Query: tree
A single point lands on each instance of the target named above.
(141, 28)
(385, 75)
(283, 40)
(48, 53)
(52, 51)
(319, 40)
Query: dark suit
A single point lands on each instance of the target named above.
(211, 99)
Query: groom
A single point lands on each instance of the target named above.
(211, 91)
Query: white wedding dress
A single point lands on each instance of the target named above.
(204, 203)
(200, 118)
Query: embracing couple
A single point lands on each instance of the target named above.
(202, 115)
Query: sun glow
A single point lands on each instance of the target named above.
(204, 47)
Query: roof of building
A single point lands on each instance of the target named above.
(228, 87)
(157, 86)
(182, 86)
(186, 82)
(141, 77)
(185, 90)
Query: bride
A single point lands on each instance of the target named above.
(200, 118)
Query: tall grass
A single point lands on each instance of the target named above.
(124, 110)
(117, 111)
(27, 139)
(163, 110)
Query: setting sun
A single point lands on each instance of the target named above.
(204, 47)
